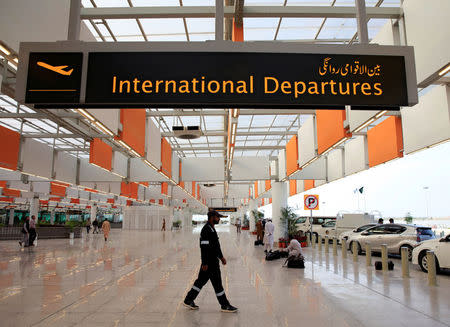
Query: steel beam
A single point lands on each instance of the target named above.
(32, 115)
(229, 12)
(221, 133)
(220, 148)
(62, 136)
(242, 112)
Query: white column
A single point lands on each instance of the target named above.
(252, 206)
(52, 216)
(93, 212)
(279, 200)
(11, 217)
(34, 207)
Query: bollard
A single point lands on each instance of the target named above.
(334, 246)
(368, 255)
(405, 262)
(384, 257)
(355, 251)
(327, 244)
(308, 239)
(314, 239)
(431, 262)
(344, 248)
(320, 243)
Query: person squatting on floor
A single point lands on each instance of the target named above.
(270, 228)
(294, 251)
(210, 269)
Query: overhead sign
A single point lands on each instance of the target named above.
(224, 209)
(314, 79)
(311, 202)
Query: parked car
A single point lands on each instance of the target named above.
(347, 234)
(304, 223)
(441, 248)
(395, 236)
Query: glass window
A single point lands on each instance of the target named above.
(300, 220)
(363, 228)
(377, 230)
(425, 231)
(329, 224)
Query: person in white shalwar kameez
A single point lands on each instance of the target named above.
(268, 231)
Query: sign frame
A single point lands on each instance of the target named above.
(214, 46)
(307, 196)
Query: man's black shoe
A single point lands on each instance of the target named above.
(191, 305)
(228, 308)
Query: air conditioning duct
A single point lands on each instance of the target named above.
(187, 132)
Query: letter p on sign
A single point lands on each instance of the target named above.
(311, 202)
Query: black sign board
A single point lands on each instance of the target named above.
(54, 78)
(224, 209)
(218, 79)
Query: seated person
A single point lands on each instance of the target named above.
(295, 250)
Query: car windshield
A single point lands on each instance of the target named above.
(329, 224)
(425, 231)
(300, 220)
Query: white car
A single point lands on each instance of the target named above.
(347, 234)
(441, 248)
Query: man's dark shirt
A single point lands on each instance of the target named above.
(209, 245)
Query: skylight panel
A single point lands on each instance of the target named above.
(156, 3)
(298, 28)
(163, 27)
(124, 28)
(264, 2)
(338, 28)
(11, 123)
(111, 3)
(199, 2)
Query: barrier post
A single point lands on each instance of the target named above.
(368, 255)
(320, 243)
(384, 257)
(344, 248)
(431, 262)
(314, 240)
(327, 244)
(355, 251)
(405, 262)
(334, 246)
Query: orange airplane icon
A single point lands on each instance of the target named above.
(56, 69)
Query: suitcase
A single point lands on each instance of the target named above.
(296, 263)
(257, 242)
(284, 254)
(379, 265)
(273, 255)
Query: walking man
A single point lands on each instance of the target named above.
(163, 228)
(210, 269)
(32, 230)
(95, 224)
(270, 228)
(238, 225)
(25, 232)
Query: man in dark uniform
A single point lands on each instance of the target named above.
(210, 269)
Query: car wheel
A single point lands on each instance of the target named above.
(358, 247)
(423, 262)
(410, 250)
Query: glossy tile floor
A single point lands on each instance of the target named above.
(139, 278)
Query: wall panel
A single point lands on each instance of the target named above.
(245, 168)
(65, 167)
(37, 158)
(203, 169)
(355, 153)
(307, 141)
(335, 164)
(9, 155)
(428, 122)
(108, 117)
(330, 128)
(385, 141)
(153, 143)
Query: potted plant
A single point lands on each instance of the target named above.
(245, 223)
(287, 223)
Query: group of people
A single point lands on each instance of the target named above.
(105, 226)
(381, 221)
(29, 232)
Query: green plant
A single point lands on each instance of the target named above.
(177, 223)
(287, 222)
(408, 218)
(246, 221)
(257, 215)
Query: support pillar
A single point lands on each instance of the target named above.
(93, 212)
(52, 217)
(279, 200)
(34, 207)
(252, 206)
(11, 217)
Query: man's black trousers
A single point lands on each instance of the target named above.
(213, 274)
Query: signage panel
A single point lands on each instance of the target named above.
(224, 209)
(245, 79)
(223, 75)
(54, 77)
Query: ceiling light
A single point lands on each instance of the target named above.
(4, 50)
(103, 128)
(122, 143)
(445, 70)
(233, 128)
(135, 153)
(12, 64)
(16, 60)
(86, 114)
(235, 113)
(367, 123)
(381, 113)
